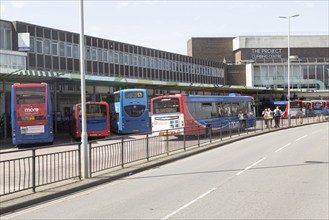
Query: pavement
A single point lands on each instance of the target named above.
(14, 202)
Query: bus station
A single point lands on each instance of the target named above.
(248, 65)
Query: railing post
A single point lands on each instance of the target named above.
(33, 170)
(239, 128)
(167, 142)
(247, 126)
(210, 133)
(90, 160)
(147, 148)
(221, 132)
(229, 128)
(184, 137)
(122, 152)
(79, 160)
(198, 136)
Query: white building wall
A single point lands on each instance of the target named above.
(315, 41)
(249, 75)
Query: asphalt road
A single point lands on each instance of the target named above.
(279, 175)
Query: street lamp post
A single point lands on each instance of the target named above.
(85, 157)
(289, 17)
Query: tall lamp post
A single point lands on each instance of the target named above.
(85, 157)
(289, 17)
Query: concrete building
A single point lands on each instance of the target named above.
(261, 61)
(52, 56)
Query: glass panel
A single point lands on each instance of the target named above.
(170, 105)
(39, 45)
(68, 50)
(54, 48)
(61, 49)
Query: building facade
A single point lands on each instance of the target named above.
(261, 61)
(32, 53)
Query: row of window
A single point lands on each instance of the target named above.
(70, 50)
(201, 111)
(10, 61)
(275, 75)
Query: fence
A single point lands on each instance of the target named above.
(31, 168)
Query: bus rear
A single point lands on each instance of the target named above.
(296, 108)
(31, 114)
(318, 106)
(97, 120)
(166, 115)
(129, 111)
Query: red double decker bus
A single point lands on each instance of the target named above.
(31, 113)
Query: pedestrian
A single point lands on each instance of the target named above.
(265, 114)
(277, 116)
(242, 120)
(270, 117)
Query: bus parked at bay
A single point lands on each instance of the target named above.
(176, 114)
(129, 111)
(31, 113)
(320, 107)
(97, 120)
(296, 108)
(307, 108)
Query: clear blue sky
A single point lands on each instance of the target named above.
(167, 25)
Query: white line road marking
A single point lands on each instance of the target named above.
(301, 138)
(251, 166)
(55, 201)
(188, 204)
(282, 147)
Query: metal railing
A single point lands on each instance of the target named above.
(27, 169)
(31, 168)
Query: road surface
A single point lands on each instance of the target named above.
(279, 175)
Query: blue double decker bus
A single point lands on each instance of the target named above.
(31, 113)
(129, 111)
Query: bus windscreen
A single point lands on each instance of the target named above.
(167, 105)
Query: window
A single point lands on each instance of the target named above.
(46, 47)
(125, 59)
(5, 39)
(115, 57)
(135, 60)
(39, 43)
(32, 44)
(88, 53)
(105, 56)
(235, 109)
(76, 53)
(68, 50)
(62, 49)
(110, 56)
(224, 109)
(54, 48)
(166, 105)
(99, 55)
(93, 54)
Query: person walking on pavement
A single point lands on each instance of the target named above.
(277, 116)
(265, 114)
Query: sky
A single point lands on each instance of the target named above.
(168, 25)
